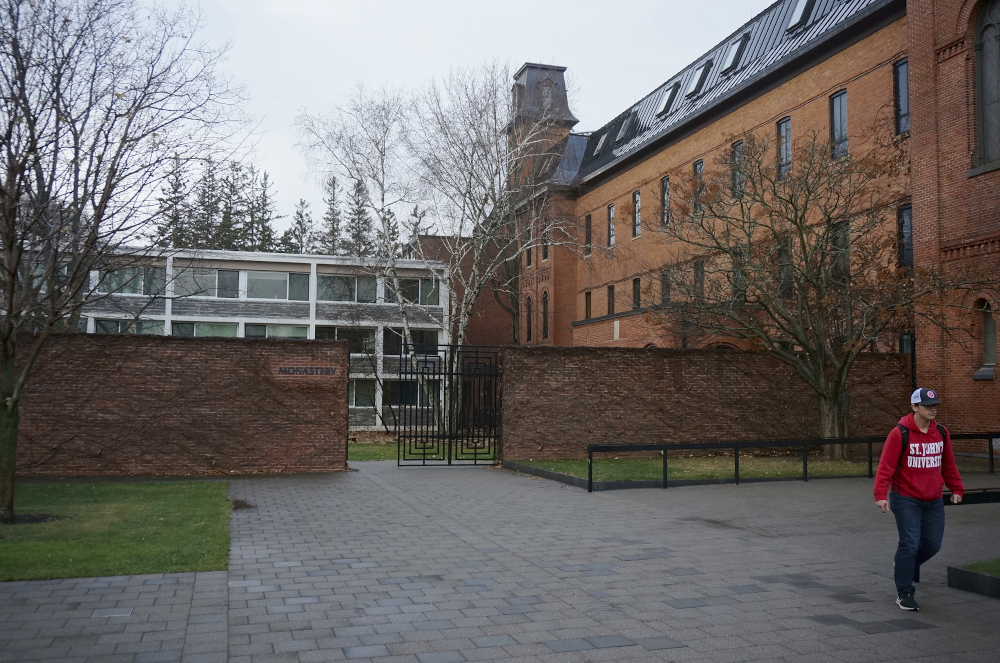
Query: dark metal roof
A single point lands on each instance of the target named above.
(770, 48)
(572, 157)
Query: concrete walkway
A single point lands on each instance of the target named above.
(462, 564)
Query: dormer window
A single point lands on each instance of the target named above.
(667, 102)
(698, 81)
(800, 15)
(600, 144)
(735, 54)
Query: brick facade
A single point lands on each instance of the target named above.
(956, 210)
(556, 401)
(154, 405)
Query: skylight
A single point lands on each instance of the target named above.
(600, 144)
(694, 87)
(667, 102)
(800, 14)
(626, 123)
(734, 54)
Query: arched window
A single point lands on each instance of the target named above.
(545, 315)
(989, 342)
(988, 68)
(527, 320)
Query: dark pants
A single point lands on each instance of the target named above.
(921, 528)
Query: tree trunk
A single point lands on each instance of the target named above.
(832, 420)
(8, 460)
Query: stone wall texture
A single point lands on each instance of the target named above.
(556, 401)
(154, 405)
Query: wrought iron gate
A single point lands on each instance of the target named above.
(448, 404)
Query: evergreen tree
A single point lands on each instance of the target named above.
(328, 239)
(299, 237)
(173, 229)
(358, 230)
(258, 233)
(233, 185)
(205, 211)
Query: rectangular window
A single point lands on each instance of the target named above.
(254, 331)
(124, 281)
(664, 201)
(154, 327)
(907, 343)
(698, 80)
(699, 279)
(586, 306)
(636, 214)
(425, 341)
(229, 284)
(838, 124)
(841, 245)
(699, 183)
(734, 54)
(545, 247)
(360, 340)
(599, 146)
(204, 329)
(905, 216)
(196, 282)
(901, 78)
(275, 331)
(409, 291)
(367, 289)
(267, 285)
(588, 235)
(361, 393)
(409, 392)
(611, 225)
(331, 288)
(665, 286)
(324, 333)
(430, 293)
(527, 257)
(667, 100)
(784, 147)
(611, 300)
(786, 280)
(800, 14)
(298, 287)
(736, 164)
(636, 293)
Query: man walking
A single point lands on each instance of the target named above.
(916, 462)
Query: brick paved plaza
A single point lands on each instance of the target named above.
(464, 564)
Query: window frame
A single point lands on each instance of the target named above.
(735, 164)
(588, 235)
(545, 314)
(698, 168)
(636, 213)
(636, 293)
(611, 300)
(611, 225)
(783, 130)
(587, 305)
(527, 320)
(989, 155)
(904, 222)
(839, 125)
(665, 201)
(901, 95)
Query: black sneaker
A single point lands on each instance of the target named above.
(907, 602)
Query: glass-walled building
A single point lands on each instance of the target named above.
(277, 295)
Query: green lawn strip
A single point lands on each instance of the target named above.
(364, 451)
(716, 467)
(117, 529)
(989, 567)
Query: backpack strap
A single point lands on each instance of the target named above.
(904, 432)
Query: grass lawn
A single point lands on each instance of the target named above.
(712, 467)
(369, 451)
(990, 567)
(117, 529)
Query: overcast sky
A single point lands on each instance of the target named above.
(308, 54)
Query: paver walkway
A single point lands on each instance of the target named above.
(461, 564)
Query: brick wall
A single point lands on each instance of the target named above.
(556, 401)
(126, 405)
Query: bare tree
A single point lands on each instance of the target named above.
(101, 98)
(801, 263)
(484, 166)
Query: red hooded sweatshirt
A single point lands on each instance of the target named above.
(923, 470)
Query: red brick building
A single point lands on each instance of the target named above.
(829, 66)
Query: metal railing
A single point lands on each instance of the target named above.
(804, 444)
